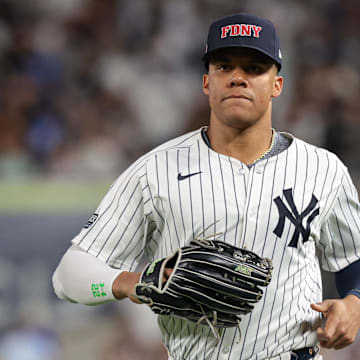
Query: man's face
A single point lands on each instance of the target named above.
(240, 84)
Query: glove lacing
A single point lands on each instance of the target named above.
(206, 317)
(212, 324)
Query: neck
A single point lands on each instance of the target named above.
(247, 144)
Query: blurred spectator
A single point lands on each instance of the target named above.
(44, 135)
(30, 344)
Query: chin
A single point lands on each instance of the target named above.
(240, 121)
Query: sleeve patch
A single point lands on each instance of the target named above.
(91, 220)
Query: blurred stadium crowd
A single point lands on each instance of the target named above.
(87, 86)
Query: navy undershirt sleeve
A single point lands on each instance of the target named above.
(348, 280)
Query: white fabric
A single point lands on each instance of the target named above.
(288, 356)
(285, 208)
(81, 277)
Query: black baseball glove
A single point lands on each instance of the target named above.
(211, 281)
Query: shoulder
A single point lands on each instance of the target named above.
(184, 141)
(141, 166)
(317, 155)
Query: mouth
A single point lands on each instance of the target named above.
(238, 97)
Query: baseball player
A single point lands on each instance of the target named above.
(261, 189)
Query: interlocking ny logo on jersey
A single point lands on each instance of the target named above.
(296, 219)
(240, 30)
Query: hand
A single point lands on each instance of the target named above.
(342, 321)
(124, 286)
(167, 273)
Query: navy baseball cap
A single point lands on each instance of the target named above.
(244, 30)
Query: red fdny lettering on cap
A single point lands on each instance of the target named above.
(240, 30)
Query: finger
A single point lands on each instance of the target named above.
(322, 307)
(324, 344)
(340, 343)
(321, 336)
(134, 298)
(317, 307)
(330, 329)
(335, 339)
(346, 338)
(333, 322)
(324, 340)
(339, 339)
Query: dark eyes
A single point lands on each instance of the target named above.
(254, 69)
(223, 67)
(250, 69)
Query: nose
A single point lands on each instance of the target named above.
(238, 79)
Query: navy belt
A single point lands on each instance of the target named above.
(303, 354)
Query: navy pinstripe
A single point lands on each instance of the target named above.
(149, 211)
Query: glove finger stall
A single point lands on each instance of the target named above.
(210, 284)
(213, 299)
(208, 259)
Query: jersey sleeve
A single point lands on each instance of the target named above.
(117, 232)
(340, 233)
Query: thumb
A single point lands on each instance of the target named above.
(322, 307)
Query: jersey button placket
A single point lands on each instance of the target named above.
(227, 343)
(252, 211)
(251, 204)
(256, 180)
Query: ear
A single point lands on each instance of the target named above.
(205, 85)
(278, 85)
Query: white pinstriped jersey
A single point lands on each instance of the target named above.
(284, 207)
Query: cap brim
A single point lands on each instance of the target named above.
(206, 57)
